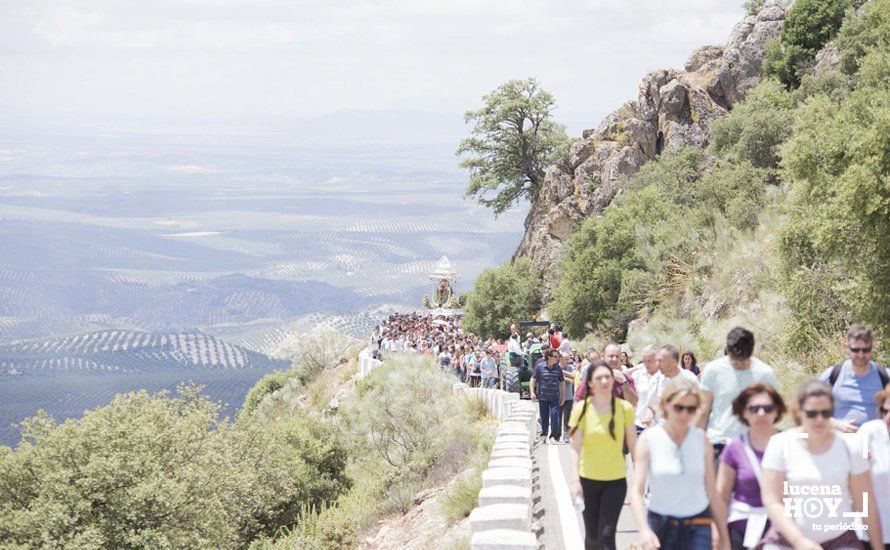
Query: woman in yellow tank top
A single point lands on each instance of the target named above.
(600, 426)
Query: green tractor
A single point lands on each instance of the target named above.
(515, 371)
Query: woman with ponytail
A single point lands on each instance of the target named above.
(600, 426)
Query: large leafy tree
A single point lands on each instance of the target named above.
(514, 139)
(507, 294)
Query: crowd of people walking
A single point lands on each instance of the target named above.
(470, 358)
(709, 466)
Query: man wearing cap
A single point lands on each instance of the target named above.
(529, 341)
(546, 387)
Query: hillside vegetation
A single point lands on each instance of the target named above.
(166, 471)
(405, 432)
(155, 471)
(782, 223)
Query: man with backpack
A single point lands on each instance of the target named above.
(855, 381)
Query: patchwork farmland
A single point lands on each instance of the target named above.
(120, 351)
(124, 266)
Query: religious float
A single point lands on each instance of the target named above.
(444, 301)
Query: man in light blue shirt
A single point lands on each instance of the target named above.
(855, 382)
(469, 361)
(489, 369)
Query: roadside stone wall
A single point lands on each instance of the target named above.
(504, 516)
(366, 363)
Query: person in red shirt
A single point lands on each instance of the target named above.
(555, 340)
(624, 385)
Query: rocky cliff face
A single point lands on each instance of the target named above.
(674, 109)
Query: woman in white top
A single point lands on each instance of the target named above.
(877, 434)
(677, 461)
(814, 480)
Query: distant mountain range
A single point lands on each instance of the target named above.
(96, 296)
(350, 124)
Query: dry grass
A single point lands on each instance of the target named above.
(462, 497)
(744, 278)
(447, 433)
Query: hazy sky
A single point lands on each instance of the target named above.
(87, 62)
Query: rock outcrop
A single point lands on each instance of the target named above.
(674, 109)
(827, 59)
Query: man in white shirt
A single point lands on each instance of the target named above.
(642, 376)
(513, 344)
(723, 380)
(667, 359)
(565, 346)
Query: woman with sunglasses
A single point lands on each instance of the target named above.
(599, 427)
(877, 433)
(677, 461)
(758, 407)
(812, 477)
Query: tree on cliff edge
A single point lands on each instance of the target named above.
(514, 139)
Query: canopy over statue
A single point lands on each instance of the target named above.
(444, 300)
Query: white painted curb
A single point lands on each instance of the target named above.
(504, 521)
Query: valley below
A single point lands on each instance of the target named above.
(145, 262)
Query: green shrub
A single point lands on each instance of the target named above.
(475, 407)
(756, 127)
(501, 296)
(835, 245)
(462, 497)
(812, 23)
(318, 350)
(808, 27)
(752, 7)
(337, 526)
(863, 32)
(155, 471)
(400, 496)
(267, 385)
(400, 418)
(736, 190)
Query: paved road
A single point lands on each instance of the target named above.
(561, 525)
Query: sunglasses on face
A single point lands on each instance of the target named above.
(678, 408)
(860, 350)
(826, 413)
(765, 408)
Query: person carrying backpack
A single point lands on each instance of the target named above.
(854, 381)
